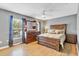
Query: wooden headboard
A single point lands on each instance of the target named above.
(58, 26)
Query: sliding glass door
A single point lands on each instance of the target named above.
(17, 31)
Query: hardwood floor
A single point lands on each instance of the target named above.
(34, 49)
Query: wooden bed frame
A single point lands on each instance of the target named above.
(52, 42)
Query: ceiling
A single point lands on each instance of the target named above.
(53, 10)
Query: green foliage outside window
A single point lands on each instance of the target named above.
(15, 27)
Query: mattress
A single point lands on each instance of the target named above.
(60, 37)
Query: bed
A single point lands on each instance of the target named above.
(54, 40)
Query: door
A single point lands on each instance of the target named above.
(17, 31)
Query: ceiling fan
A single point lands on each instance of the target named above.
(44, 14)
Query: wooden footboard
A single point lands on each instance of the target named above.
(49, 42)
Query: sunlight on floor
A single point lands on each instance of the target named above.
(34, 49)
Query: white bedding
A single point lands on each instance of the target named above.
(61, 37)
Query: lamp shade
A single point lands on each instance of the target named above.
(46, 28)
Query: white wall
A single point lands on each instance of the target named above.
(4, 26)
(71, 22)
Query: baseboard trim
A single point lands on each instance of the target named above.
(3, 47)
(17, 43)
(8, 46)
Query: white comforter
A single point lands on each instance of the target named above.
(61, 37)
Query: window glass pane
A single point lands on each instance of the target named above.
(17, 27)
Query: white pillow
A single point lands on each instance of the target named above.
(51, 31)
(60, 31)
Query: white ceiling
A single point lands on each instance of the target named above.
(53, 10)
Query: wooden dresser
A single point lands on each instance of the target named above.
(31, 36)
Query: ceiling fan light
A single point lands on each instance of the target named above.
(43, 16)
